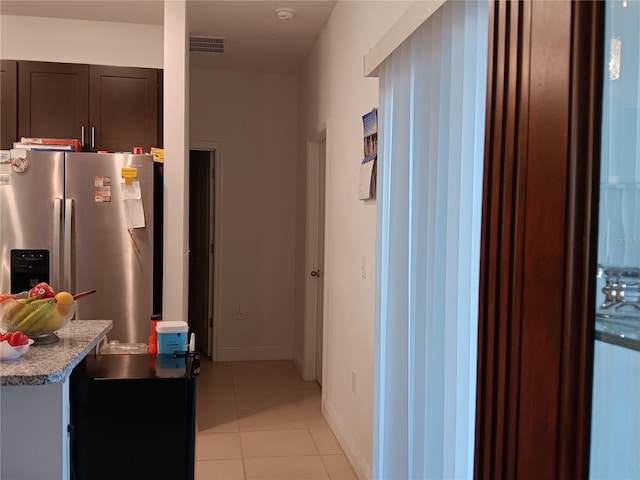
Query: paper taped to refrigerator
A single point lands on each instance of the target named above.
(133, 208)
(131, 192)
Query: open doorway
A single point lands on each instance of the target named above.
(202, 219)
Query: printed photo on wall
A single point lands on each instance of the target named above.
(367, 181)
(370, 122)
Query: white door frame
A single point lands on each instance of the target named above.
(216, 235)
(309, 364)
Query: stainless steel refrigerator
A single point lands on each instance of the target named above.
(73, 221)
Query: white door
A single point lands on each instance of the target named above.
(320, 278)
(314, 262)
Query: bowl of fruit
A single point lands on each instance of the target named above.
(14, 345)
(37, 313)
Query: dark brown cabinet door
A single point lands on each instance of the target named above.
(123, 108)
(8, 103)
(53, 99)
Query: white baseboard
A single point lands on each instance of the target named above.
(240, 354)
(297, 361)
(361, 467)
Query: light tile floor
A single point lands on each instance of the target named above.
(260, 420)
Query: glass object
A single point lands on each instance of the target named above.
(615, 412)
(618, 283)
(618, 310)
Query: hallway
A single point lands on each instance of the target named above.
(260, 420)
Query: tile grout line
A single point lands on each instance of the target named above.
(235, 410)
(297, 404)
(313, 439)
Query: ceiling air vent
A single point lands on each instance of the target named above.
(206, 44)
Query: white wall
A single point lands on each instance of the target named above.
(254, 118)
(175, 255)
(333, 89)
(80, 41)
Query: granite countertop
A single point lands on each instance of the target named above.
(43, 364)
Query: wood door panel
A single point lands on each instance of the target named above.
(124, 107)
(543, 217)
(538, 257)
(52, 99)
(8, 103)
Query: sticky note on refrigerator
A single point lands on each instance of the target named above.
(129, 173)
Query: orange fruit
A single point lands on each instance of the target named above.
(64, 298)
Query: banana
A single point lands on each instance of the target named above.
(9, 308)
(18, 310)
(40, 301)
(19, 315)
(28, 300)
(54, 322)
(30, 323)
(44, 322)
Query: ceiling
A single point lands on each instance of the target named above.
(255, 39)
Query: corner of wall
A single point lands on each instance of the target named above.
(360, 465)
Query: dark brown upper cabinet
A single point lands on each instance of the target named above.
(107, 108)
(8, 103)
(53, 99)
(123, 108)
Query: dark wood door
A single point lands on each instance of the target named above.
(536, 318)
(52, 99)
(123, 108)
(8, 103)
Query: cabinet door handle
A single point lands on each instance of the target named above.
(82, 136)
(93, 137)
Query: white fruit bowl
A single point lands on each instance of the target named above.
(7, 352)
(36, 319)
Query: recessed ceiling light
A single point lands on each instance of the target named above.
(285, 13)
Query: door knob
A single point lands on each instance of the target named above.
(315, 273)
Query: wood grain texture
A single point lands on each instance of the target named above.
(8, 103)
(53, 99)
(123, 106)
(538, 265)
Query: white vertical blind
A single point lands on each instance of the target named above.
(432, 111)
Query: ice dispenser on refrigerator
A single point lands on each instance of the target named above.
(28, 268)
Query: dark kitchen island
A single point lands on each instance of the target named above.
(133, 416)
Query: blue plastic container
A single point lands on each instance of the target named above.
(172, 336)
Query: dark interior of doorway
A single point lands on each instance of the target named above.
(200, 246)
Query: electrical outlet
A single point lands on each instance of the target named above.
(354, 381)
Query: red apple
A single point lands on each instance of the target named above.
(6, 296)
(42, 290)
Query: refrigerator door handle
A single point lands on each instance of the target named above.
(68, 220)
(93, 137)
(57, 235)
